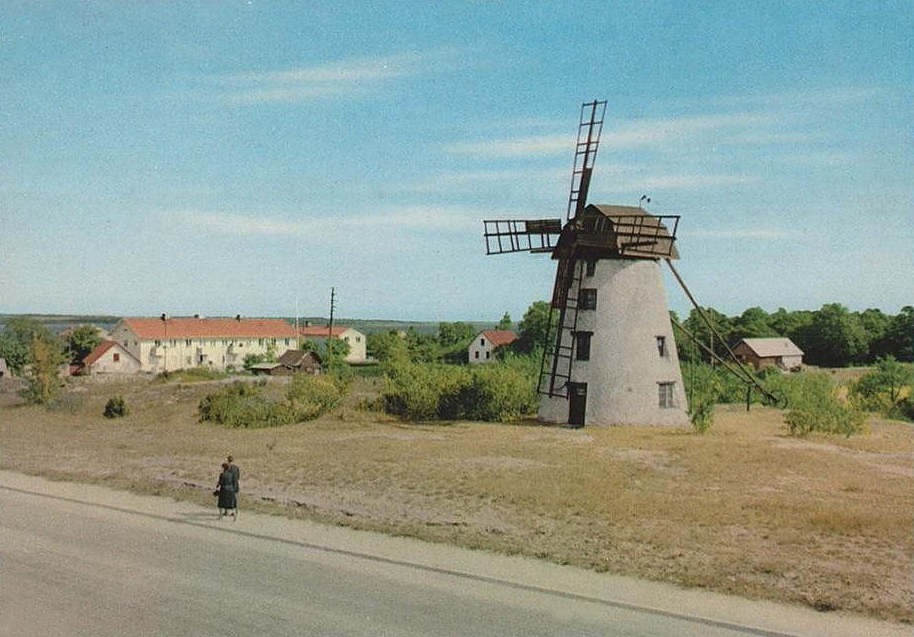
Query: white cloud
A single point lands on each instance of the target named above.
(684, 180)
(739, 233)
(338, 77)
(401, 219)
(514, 146)
(652, 132)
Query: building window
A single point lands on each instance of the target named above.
(188, 342)
(476, 354)
(358, 339)
(582, 345)
(591, 267)
(665, 394)
(588, 299)
(158, 343)
(116, 357)
(661, 346)
(260, 341)
(487, 354)
(482, 342)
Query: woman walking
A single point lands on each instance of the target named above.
(226, 489)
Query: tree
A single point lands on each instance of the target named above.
(386, 346)
(16, 340)
(752, 323)
(532, 329)
(898, 339)
(46, 358)
(698, 327)
(881, 389)
(505, 323)
(834, 337)
(454, 334)
(79, 341)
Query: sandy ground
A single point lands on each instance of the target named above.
(745, 509)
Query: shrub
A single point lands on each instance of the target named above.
(815, 407)
(244, 405)
(493, 392)
(882, 389)
(191, 375)
(313, 396)
(116, 407)
(704, 391)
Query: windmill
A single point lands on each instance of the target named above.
(612, 358)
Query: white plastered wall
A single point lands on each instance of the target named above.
(625, 366)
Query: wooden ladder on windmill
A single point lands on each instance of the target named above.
(558, 360)
(589, 130)
(566, 296)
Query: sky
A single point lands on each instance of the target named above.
(248, 156)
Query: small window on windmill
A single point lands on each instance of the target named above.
(661, 346)
(588, 299)
(665, 395)
(582, 345)
(591, 267)
(116, 357)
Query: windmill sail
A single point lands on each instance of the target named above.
(589, 130)
(521, 235)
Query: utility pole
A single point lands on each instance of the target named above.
(332, 305)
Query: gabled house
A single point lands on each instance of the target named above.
(110, 357)
(484, 343)
(320, 334)
(779, 352)
(167, 344)
(301, 361)
(293, 361)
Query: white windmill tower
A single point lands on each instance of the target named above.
(613, 359)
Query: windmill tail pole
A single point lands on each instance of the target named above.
(736, 372)
(746, 375)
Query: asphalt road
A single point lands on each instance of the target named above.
(82, 560)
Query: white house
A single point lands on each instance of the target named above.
(356, 340)
(110, 357)
(484, 343)
(167, 344)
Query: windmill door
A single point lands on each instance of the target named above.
(577, 404)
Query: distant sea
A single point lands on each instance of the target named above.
(59, 322)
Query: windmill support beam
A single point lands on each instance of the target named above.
(746, 376)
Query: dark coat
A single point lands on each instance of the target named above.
(228, 487)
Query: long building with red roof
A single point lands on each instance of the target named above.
(169, 343)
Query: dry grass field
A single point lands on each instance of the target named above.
(743, 509)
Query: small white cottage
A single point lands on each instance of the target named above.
(110, 357)
(484, 343)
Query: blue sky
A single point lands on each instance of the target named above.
(226, 157)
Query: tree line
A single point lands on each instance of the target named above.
(831, 336)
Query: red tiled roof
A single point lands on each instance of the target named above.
(209, 327)
(321, 330)
(96, 354)
(499, 337)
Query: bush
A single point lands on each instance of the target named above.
(116, 407)
(493, 392)
(815, 407)
(244, 405)
(191, 375)
(313, 396)
(704, 391)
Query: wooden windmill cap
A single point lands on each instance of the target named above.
(609, 231)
